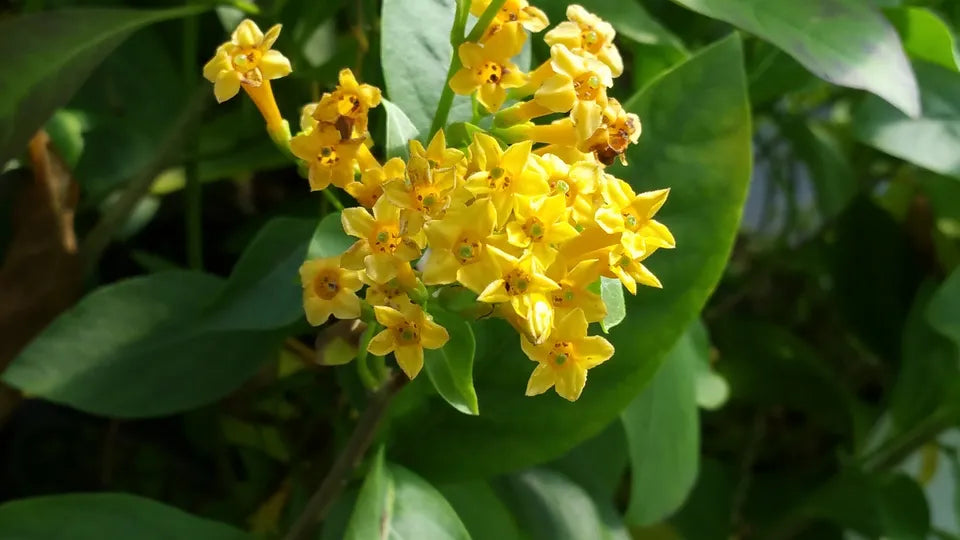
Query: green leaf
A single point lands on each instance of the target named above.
(833, 177)
(263, 291)
(852, 44)
(415, 52)
(925, 35)
(928, 362)
(944, 311)
(395, 503)
(598, 464)
(703, 154)
(399, 131)
(48, 57)
(711, 388)
(450, 368)
(663, 433)
(105, 516)
(552, 507)
(140, 348)
(373, 501)
(929, 141)
(891, 506)
(482, 510)
(611, 291)
(328, 238)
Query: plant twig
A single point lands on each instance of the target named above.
(352, 453)
(193, 189)
(457, 38)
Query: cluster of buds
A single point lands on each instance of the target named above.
(525, 219)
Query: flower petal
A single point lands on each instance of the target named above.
(382, 344)
(227, 85)
(410, 359)
(542, 378)
(570, 382)
(274, 65)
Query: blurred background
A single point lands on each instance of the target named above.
(825, 401)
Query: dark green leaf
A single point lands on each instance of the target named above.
(551, 507)
(925, 36)
(105, 516)
(944, 311)
(139, 348)
(263, 291)
(929, 141)
(415, 51)
(450, 368)
(483, 512)
(852, 44)
(703, 154)
(598, 464)
(611, 290)
(399, 131)
(50, 54)
(711, 388)
(663, 433)
(373, 502)
(329, 239)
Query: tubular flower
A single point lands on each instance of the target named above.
(586, 32)
(487, 68)
(329, 289)
(406, 335)
(458, 247)
(248, 62)
(579, 85)
(630, 270)
(425, 189)
(370, 187)
(385, 243)
(503, 174)
(519, 11)
(348, 104)
(523, 284)
(437, 155)
(631, 215)
(329, 158)
(541, 225)
(564, 358)
(391, 294)
(574, 291)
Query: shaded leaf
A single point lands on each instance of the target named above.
(611, 291)
(450, 367)
(852, 44)
(399, 131)
(483, 512)
(328, 238)
(925, 35)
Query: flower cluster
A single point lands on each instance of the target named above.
(525, 217)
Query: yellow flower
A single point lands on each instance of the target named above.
(391, 294)
(503, 174)
(579, 85)
(587, 32)
(246, 60)
(577, 183)
(574, 291)
(425, 189)
(540, 225)
(406, 335)
(370, 187)
(523, 284)
(630, 270)
(386, 243)
(329, 158)
(329, 289)
(520, 11)
(458, 247)
(631, 215)
(563, 359)
(350, 103)
(437, 154)
(618, 130)
(487, 67)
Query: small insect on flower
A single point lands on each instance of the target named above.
(406, 335)
(328, 290)
(564, 358)
(329, 158)
(349, 103)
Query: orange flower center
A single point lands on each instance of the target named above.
(563, 297)
(561, 352)
(510, 11)
(630, 220)
(498, 179)
(327, 283)
(246, 59)
(386, 239)
(349, 104)
(517, 282)
(535, 229)
(328, 156)
(407, 333)
(590, 39)
(587, 86)
(489, 72)
(466, 249)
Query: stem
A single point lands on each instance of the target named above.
(897, 449)
(352, 453)
(456, 39)
(193, 190)
(328, 195)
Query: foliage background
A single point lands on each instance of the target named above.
(797, 376)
